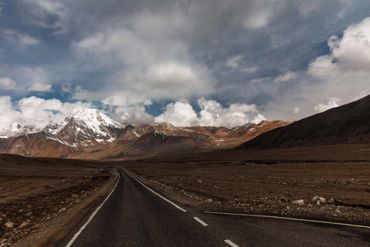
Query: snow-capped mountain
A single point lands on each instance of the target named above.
(89, 133)
(84, 127)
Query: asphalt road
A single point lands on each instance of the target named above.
(135, 216)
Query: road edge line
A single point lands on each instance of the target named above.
(77, 234)
(289, 219)
(157, 194)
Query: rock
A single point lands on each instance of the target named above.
(315, 198)
(62, 210)
(199, 181)
(299, 202)
(9, 224)
(319, 200)
(29, 214)
(322, 200)
(331, 200)
(24, 223)
(209, 200)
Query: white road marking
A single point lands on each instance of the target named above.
(291, 219)
(170, 202)
(200, 221)
(70, 243)
(231, 243)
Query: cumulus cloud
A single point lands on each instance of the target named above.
(40, 87)
(342, 74)
(178, 114)
(134, 114)
(211, 113)
(345, 71)
(33, 112)
(7, 83)
(349, 54)
(155, 56)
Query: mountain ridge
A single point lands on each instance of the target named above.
(349, 124)
(89, 133)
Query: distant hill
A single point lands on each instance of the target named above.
(347, 124)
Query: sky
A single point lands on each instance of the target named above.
(187, 62)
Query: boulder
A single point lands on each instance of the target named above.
(9, 224)
(299, 202)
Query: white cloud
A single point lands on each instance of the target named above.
(349, 54)
(155, 56)
(333, 102)
(7, 84)
(212, 113)
(343, 73)
(288, 76)
(178, 114)
(40, 87)
(33, 112)
(135, 114)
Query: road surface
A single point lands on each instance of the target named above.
(135, 216)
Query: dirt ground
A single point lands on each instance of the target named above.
(271, 188)
(38, 196)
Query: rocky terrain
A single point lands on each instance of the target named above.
(324, 190)
(40, 197)
(90, 134)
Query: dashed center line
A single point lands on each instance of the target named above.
(231, 243)
(200, 221)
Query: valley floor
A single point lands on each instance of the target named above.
(284, 189)
(40, 199)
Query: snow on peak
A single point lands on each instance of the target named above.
(93, 118)
(84, 126)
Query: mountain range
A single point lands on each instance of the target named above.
(90, 134)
